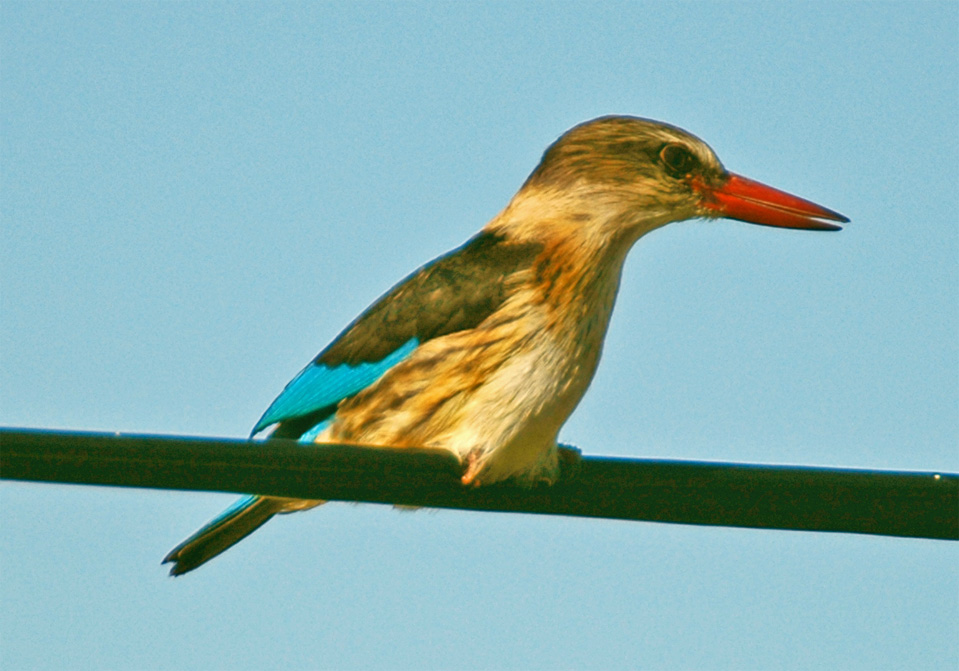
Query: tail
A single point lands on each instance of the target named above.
(230, 527)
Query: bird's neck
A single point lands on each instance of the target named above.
(602, 220)
(585, 238)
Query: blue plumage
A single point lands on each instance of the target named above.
(246, 515)
(314, 393)
(231, 526)
(319, 386)
(452, 293)
(311, 435)
(237, 507)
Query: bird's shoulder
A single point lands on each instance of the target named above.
(454, 292)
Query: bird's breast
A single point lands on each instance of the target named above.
(498, 394)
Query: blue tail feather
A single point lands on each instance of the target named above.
(230, 527)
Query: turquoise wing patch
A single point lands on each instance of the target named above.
(320, 386)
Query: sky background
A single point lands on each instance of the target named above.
(197, 197)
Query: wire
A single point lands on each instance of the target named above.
(911, 504)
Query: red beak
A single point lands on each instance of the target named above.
(743, 199)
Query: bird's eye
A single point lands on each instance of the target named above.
(678, 160)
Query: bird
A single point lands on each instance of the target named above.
(487, 350)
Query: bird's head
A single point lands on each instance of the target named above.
(628, 176)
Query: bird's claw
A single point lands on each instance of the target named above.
(473, 469)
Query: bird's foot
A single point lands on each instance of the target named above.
(473, 468)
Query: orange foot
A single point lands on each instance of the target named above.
(473, 469)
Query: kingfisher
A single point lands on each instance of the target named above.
(487, 350)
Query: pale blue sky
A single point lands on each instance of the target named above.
(196, 197)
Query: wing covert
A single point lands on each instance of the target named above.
(452, 293)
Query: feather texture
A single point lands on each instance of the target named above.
(487, 350)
